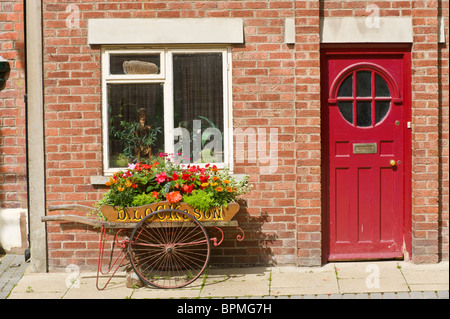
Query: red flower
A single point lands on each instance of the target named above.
(193, 169)
(188, 188)
(185, 177)
(174, 197)
(175, 176)
(155, 195)
(203, 178)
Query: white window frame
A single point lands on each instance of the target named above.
(166, 77)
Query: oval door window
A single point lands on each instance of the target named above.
(364, 98)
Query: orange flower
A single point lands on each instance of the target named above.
(120, 189)
(174, 197)
(110, 182)
(219, 189)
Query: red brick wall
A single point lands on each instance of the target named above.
(263, 93)
(307, 133)
(443, 111)
(12, 108)
(425, 112)
(276, 86)
(72, 97)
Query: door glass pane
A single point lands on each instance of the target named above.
(198, 107)
(364, 114)
(363, 83)
(381, 109)
(346, 109)
(135, 122)
(346, 88)
(381, 88)
(134, 63)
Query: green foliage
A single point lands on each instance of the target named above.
(143, 199)
(200, 199)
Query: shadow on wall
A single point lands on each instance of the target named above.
(253, 250)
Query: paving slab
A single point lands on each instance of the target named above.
(424, 277)
(239, 282)
(156, 293)
(84, 286)
(40, 285)
(304, 281)
(361, 277)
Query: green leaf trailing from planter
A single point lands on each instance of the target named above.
(200, 200)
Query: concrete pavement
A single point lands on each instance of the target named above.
(346, 280)
(12, 268)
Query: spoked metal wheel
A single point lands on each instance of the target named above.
(169, 249)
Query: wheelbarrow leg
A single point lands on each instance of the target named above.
(101, 249)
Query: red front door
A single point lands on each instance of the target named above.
(364, 104)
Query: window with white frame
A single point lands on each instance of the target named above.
(168, 100)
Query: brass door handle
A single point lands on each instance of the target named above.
(392, 163)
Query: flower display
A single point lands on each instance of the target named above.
(162, 180)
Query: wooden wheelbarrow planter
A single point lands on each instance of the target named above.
(166, 244)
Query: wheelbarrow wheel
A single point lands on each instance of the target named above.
(169, 249)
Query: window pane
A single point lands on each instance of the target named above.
(346, 88)
(364, 114)
(135, 121)
(381, 109)
(198, 107)
(381, 88)
(346, 109)
(134, 63)
(363, 83)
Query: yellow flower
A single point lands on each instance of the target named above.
(128, 183)
(226, 181)
(120, 189)
(205, 184)
(214, 184)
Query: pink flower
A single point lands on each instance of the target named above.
(161, 178)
